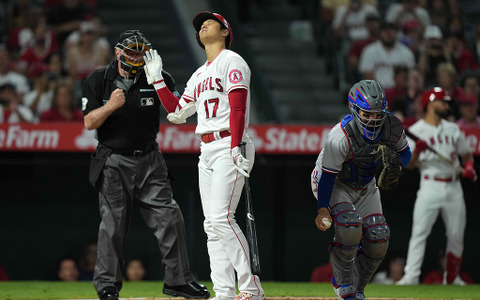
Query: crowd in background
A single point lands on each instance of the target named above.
(47, 48)
(408, 46)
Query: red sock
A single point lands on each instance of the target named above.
(453, 267)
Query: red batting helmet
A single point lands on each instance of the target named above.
(205, 15)
(437, 93)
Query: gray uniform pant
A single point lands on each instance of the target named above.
(142, 179)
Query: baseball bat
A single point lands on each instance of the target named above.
(250, 224)
(444, 158)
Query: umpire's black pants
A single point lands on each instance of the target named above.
(143, 179)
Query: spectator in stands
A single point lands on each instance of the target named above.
(407, 10)
(406, 108)
(401, 84)
(85, 57)
(470, 84)
(372, 24)
(63, 106)
(393, 272)
(18, 80)
(461, 57)
(446, 79)
(441, 10)
(135, 271)
(468, 110)
(19, 38)
(432, 54)
(379, 58)
(40, 98)
(35, 56)
(11, 108)
(67, 270)
(87, 261)
(322, 273)
(74, 38)
(18, 13)
(67, 17)
(411, 36)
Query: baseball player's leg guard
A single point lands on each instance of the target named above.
(348, 233)
(376, 234)
(453, 267)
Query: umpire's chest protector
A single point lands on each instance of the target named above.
(361, 169)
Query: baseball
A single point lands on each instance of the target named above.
(327, 222)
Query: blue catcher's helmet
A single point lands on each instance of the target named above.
(368, 96)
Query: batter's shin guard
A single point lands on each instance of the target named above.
(453, 267)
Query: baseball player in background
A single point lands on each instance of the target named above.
(219, 92)
(440, 189)
(343, 181)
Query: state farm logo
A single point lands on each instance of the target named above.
(17, 138)
(173, 138)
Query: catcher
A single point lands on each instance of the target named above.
(344, 183)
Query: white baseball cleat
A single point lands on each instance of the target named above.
(248, 296)
(408, 281)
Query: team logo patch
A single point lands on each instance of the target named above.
(235, 76)
(147, 101)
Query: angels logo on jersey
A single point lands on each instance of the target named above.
(235, 76)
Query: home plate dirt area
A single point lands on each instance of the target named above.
(279, 298)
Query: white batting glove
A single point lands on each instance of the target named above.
(153, 66)
(241, 163)
(182, 115)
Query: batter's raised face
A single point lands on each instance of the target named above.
(211, 32)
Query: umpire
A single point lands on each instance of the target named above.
(128, 167)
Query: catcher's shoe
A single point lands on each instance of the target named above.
(248, 296)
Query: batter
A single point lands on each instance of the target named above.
(219, 93)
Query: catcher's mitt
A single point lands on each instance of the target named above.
(392, 168)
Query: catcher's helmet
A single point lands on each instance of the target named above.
(368, 95)
(132, 45)
(437, 93)
(205, 15)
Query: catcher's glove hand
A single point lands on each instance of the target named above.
(392, 168)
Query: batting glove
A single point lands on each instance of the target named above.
(469, 172)
(241, 163)
(420, 146)
(182, 115)
(153, 66)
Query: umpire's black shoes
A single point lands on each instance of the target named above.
(191, 290)
(108, 293)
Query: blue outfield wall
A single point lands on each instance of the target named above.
(49, 211)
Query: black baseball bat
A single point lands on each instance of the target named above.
(250, 224)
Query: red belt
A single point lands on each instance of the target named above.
(450, 179)
(210, 137)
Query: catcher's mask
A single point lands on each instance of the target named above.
(132, 45)
(205, 15)
(368, 96)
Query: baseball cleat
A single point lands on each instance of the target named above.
(248, 296)
(407, 281)
(191, 290)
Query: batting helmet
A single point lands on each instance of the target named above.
(368, 95)
(132, 45)
(437, 93)
(205, 15)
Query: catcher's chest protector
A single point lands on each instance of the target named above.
(362, 168)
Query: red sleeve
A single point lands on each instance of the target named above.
(238, 105)
(168, 99)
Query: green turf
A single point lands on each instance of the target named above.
(84, 290)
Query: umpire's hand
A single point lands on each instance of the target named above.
(117, 99)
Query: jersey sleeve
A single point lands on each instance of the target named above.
(336, 151)
(462, 146)
(91, 93)
(237, 74)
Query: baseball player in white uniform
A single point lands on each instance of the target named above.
(343, 181)
(440, 189)
(219, 93)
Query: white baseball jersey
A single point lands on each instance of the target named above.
(440, 192)
(209, 87)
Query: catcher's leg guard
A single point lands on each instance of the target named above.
(348, 233)
(376, 234)
(453, 267)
